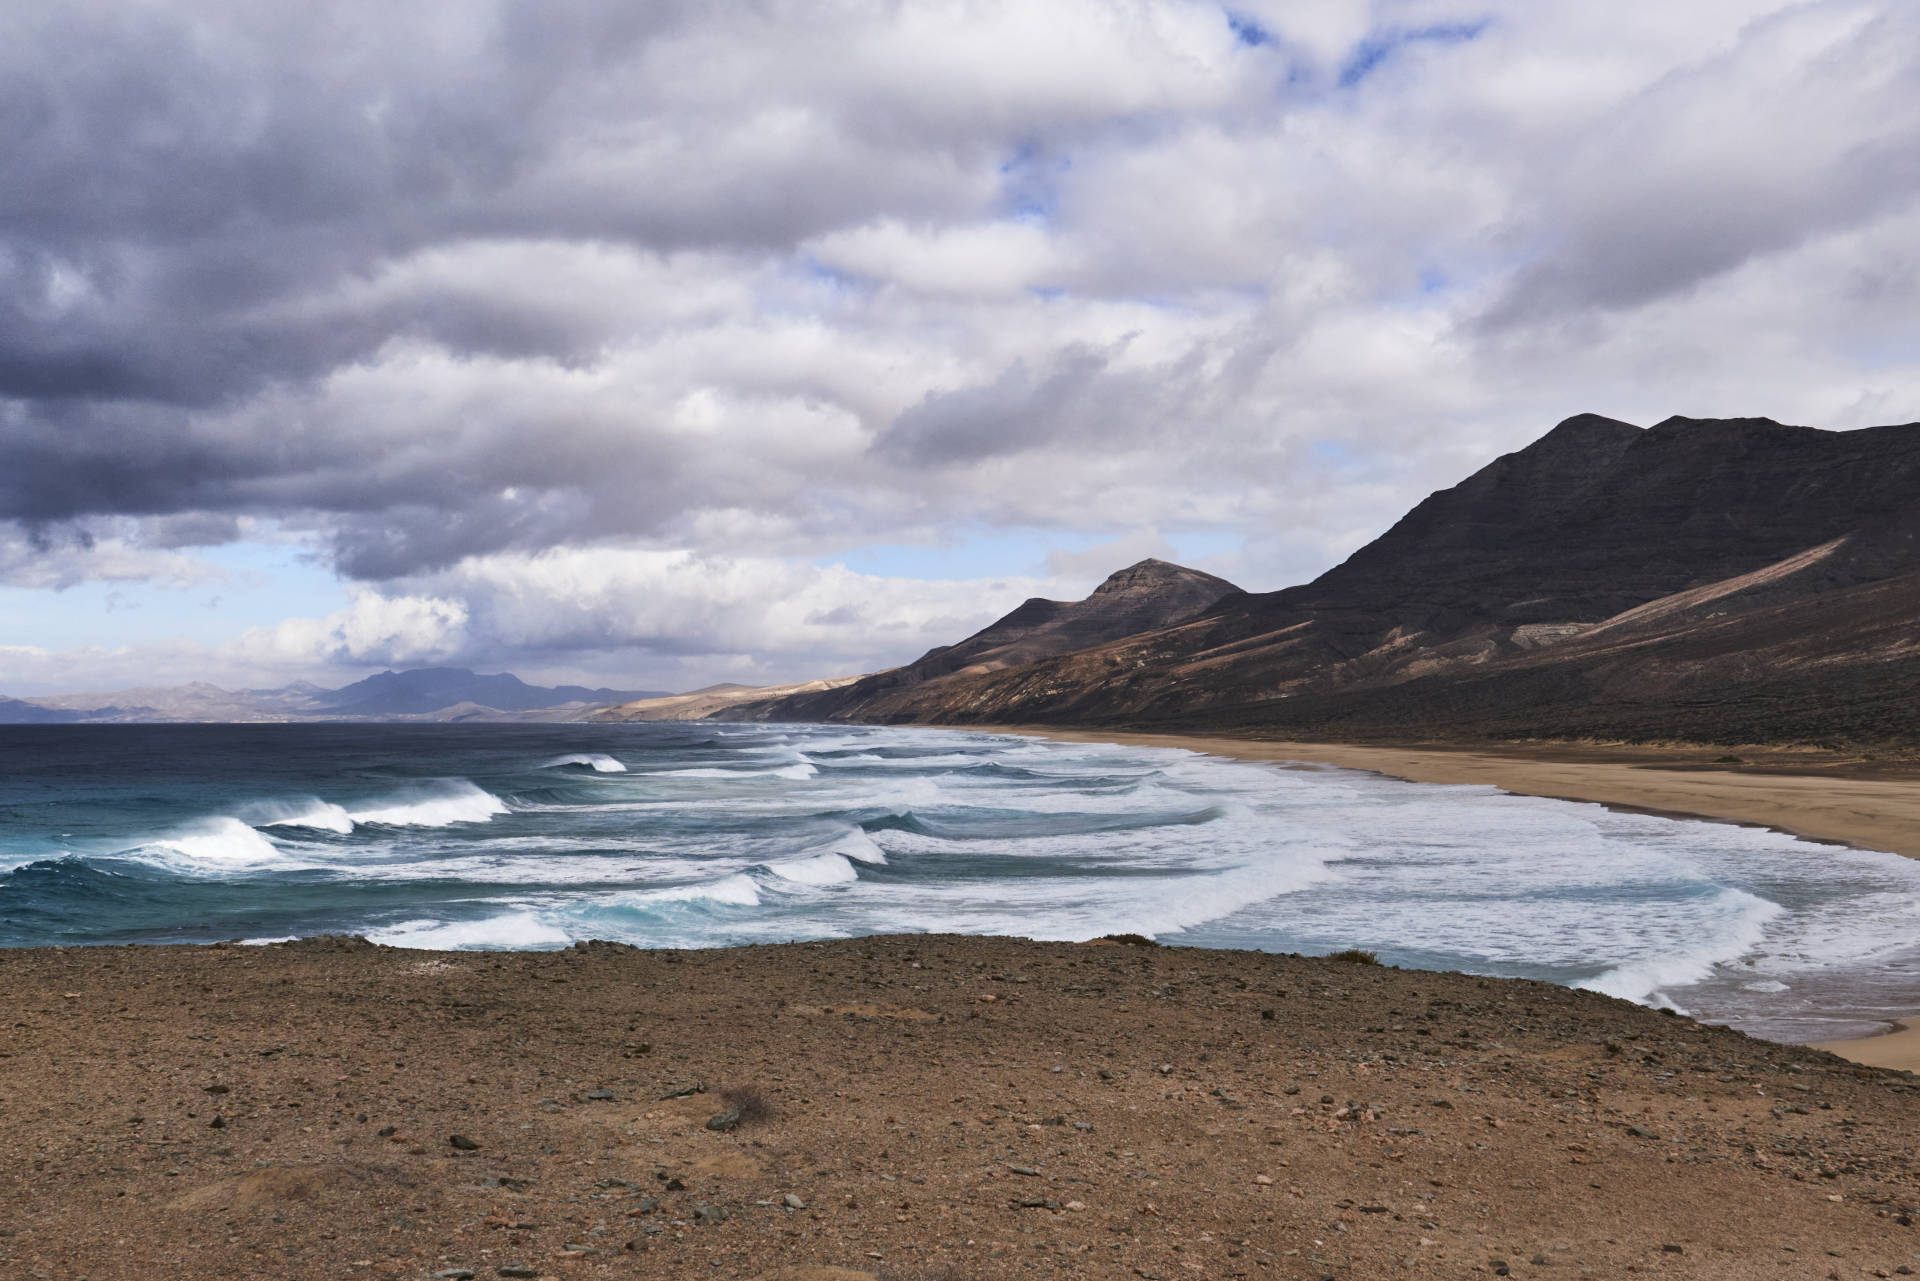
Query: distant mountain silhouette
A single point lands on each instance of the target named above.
(1713, 579)
(429, 689)
(445, 693)
(14, 711)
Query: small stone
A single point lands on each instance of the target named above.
(792, 1202)
(724, 1121)
(463, 1143)
(517, 1270)
(1264, 1180)
(600, 1096)
(1671, 1248)
(686, 1092)
(645, 1205)
(455, 1274)
(217, 1089)
(1076, 1205)
(1028, 1170)
(709, 1214)
(218, 1123)
(1641, 1132)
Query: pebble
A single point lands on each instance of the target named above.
(463, 1143)
(600, 1096)
(454, 1274)
(517, 1270)
(724, 1121)
(792, 1202)
(709, 1214)
(1028, 1170)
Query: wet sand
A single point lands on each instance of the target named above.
(931, 1108)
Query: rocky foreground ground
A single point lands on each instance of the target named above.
(912, 1108)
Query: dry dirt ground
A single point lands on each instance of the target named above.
(936, 1107)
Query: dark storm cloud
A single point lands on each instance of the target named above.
(433, 282)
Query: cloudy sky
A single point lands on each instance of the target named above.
(654, 344)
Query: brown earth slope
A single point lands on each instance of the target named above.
(936, 1107)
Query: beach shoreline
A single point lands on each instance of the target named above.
(1828, 798)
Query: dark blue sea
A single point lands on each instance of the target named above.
(695, 835)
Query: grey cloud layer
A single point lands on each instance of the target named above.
(451, 284)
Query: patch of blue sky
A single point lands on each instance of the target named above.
(1374, 51)
(264, 583)
(1029, 190)
(1247, 31)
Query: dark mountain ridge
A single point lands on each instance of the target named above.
(1146, 596)
(1714, 579)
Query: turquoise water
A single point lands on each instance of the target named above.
(705, 835)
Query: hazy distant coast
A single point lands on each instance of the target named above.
(426, 693)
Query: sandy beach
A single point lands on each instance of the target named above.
(923, 1108)
(1823, 796)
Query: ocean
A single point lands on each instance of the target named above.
(705, 835)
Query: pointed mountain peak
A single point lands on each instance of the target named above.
(1153, 574)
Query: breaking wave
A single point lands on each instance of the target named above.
(598, 762)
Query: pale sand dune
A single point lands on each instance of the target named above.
(1835, 805)
(703, 703)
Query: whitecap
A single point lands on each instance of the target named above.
(820, 870)
(454, 801)
(859, 846)
(217, 842)
(598, 762)
(313, 813)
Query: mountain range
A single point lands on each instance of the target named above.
(433, 693)
(1714, 580)
(1727, 580)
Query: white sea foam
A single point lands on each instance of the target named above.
(434, 805)
(599, 762)
(859, 846)
(737, 890)
(312, 813)
(1739, 921)
(509, 930)
(819, 870)
(220, 842)
(795, 771)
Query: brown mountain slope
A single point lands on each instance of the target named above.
(1719, 580)
(1140, 598)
